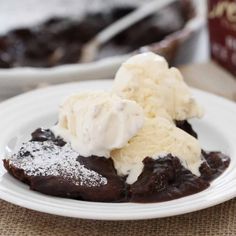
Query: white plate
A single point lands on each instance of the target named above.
(19, 116)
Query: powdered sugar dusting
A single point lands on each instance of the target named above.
(47, 159)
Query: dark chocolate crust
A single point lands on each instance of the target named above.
(162, 179)
(58, 186)
(185, 126)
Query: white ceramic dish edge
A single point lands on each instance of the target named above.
(222, 189)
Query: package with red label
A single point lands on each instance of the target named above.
(222, 29)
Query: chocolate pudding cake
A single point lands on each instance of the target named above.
(133, 144)
(50, 166)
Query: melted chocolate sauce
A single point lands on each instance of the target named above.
(185, 126)
(162, 179)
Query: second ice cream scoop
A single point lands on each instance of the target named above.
(157, 138)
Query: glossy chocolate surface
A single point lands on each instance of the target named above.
(162, 179)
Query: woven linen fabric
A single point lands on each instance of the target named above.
(218, 220)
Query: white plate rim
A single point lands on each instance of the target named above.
(130, 210)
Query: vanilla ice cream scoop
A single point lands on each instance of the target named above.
(157, 138)
(160, 90)
(97, 122)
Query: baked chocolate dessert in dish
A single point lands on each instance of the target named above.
(131, 144)
(59, 40)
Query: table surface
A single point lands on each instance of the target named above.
(211, 78)
(218, 220)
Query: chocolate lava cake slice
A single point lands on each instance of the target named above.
(50, 166)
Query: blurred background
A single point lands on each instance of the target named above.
(29, 13)
(42, 42)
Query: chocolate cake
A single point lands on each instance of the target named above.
(59, 40)
(50, 166)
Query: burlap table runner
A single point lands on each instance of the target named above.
(218, 220)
